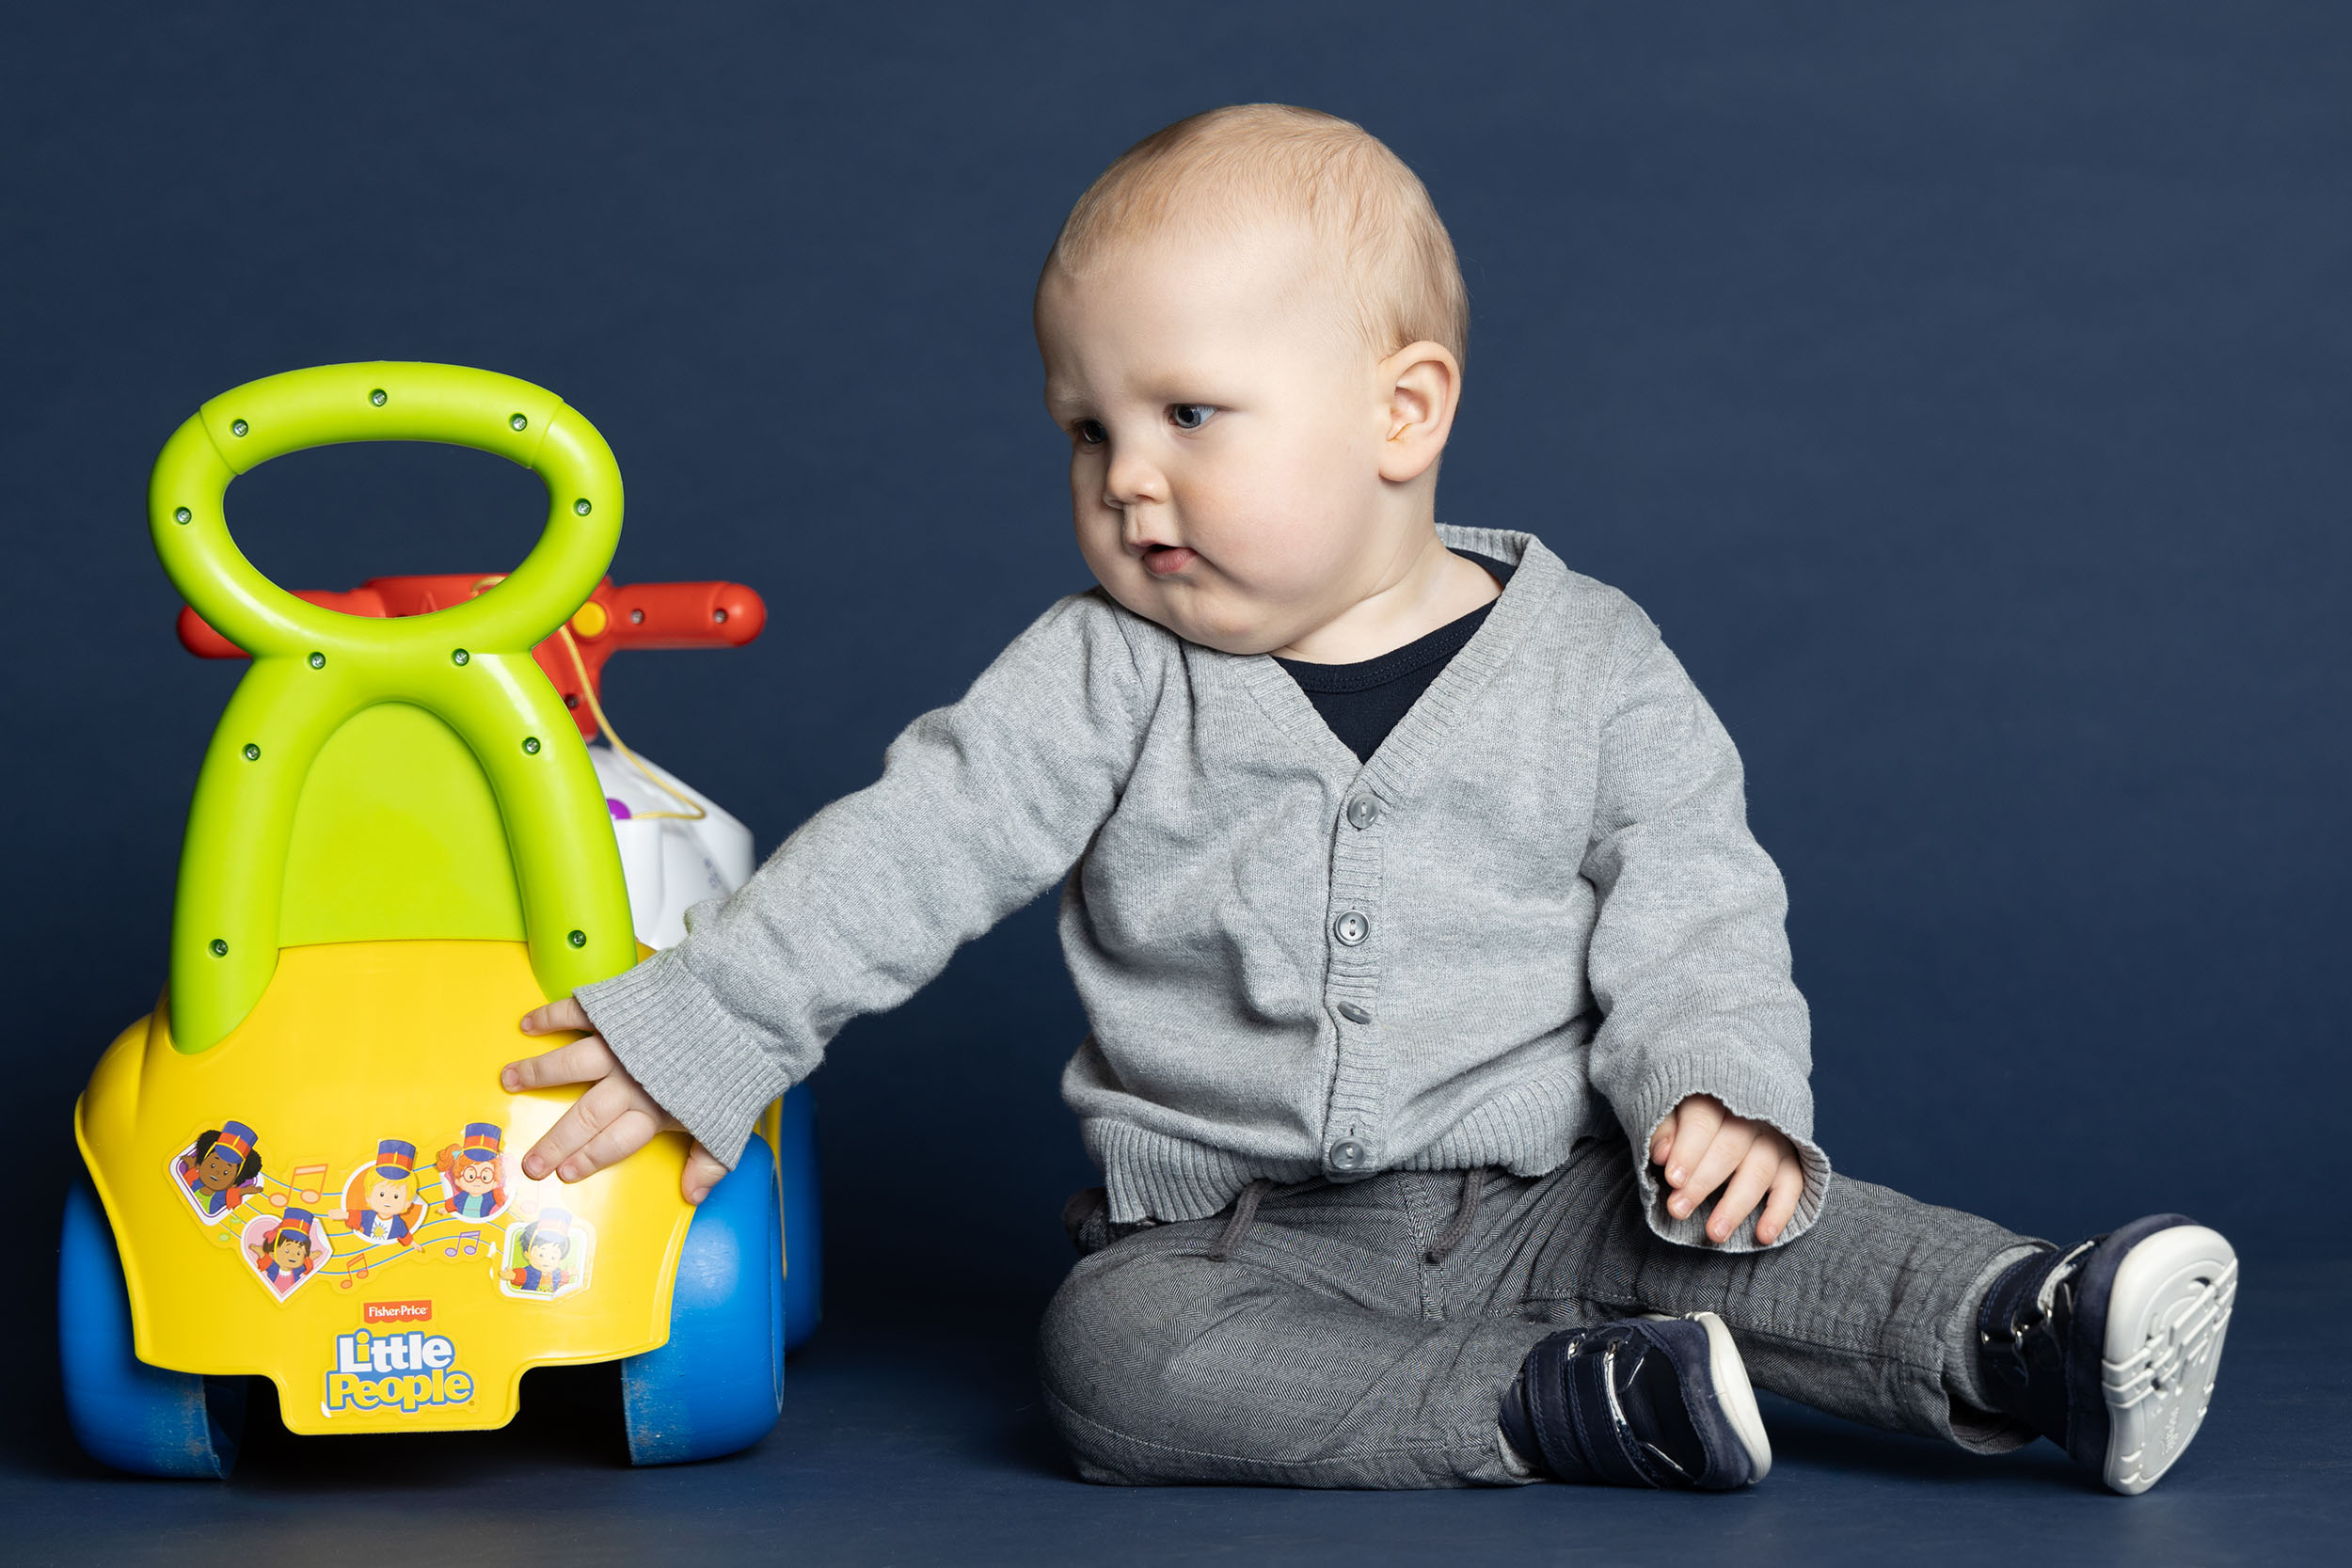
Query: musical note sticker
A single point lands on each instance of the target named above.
(307, 1190)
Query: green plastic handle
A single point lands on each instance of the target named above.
(469, 665)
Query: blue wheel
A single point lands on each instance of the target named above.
(125, 1412)
(718, 1386)
(803, 1254)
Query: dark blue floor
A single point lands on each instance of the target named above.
(921, 1441)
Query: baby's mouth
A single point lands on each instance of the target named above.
(1163, 561)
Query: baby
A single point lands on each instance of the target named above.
(1446, 1073)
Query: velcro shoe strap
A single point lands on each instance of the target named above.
(1577, 1427)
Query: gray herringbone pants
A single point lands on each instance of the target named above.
(1328, 1350)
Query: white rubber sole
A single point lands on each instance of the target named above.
(1733, 1392)
(2166, 1315)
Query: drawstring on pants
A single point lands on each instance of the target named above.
(1464, 1215)
(1245, 1210)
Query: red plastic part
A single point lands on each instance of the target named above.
(636, 615)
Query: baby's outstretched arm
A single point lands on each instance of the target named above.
(612, 1120)
(1704, 1147)
(981, 805)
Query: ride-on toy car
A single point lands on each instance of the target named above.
(301, 1165)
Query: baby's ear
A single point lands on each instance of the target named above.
(1424, 381)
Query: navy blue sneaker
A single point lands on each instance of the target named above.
(1643, 1402)
(2108, 1349)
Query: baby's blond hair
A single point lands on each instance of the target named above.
(1382, 242)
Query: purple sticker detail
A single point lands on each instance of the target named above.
(618, 808)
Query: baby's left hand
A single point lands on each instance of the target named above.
(1704, 1147)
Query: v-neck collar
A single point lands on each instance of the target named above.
(1395, 768)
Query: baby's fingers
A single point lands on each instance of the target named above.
(1748, 1186)
(1661, 1143)
(566, 1014)
(581, 1062)
(590, 1115)
(1724, 1153)
(1787, 1186)
(703, 1169)
(1696, 1122)
(629, 1130)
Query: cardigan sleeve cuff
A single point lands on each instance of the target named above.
(686, 1051)
(1777, 1099)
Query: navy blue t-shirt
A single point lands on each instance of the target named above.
(1363, 702)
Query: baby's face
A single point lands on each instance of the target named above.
(1226, 424)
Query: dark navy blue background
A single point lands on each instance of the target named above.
(1964, 389)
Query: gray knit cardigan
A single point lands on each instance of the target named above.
(1540, 889)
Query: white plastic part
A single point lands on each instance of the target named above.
(670, 865)
(2167, 1316)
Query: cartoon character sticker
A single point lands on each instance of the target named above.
(220, 1170)
(286, 1250)
(380, 1200)
(473, 1175)
(547, 1258)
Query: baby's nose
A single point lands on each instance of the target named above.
(1130, 482)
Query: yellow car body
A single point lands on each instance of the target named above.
(397, 848)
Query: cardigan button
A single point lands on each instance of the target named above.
(1363, 811)
(1354, 1014)
(1351, 928)
(1347, 1154)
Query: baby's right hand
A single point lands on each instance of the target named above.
(612, 1120)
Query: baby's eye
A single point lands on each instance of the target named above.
(1090, 433)
(1190, 416)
